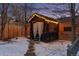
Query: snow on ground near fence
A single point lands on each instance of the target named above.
(18, 47)
(14, 48)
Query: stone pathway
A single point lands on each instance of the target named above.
(31, 49)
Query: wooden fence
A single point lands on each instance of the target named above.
(12, 30)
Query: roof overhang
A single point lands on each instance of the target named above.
(47, 20)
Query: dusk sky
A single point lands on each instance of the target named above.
(50, 9)
(45, 9)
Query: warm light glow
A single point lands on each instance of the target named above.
(52, 21)
(31, 18)
(43, 18)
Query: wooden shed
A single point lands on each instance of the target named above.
(65, 28)
(43, 28)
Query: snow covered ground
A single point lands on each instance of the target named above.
(58, 48)
(18, 47)
(15, 48)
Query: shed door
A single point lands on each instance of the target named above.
(38, 29)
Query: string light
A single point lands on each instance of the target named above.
(42, 18)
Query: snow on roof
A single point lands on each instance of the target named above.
(48, 19)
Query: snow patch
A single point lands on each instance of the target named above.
(58, 48)
(16, 48)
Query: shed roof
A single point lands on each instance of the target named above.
(69, 19)
(48, 19)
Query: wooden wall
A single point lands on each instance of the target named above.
(67, 35)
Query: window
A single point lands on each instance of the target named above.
(67, 28)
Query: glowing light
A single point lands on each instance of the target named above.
(48, 20)
(52, 21)
(31, 18)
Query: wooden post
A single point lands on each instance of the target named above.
(31, 30)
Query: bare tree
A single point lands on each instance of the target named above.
(21, 12)
(73, 49)
(16, 12)
(3, 18)
(72, 9)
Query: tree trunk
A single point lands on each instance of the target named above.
(73, 21)
(3, 18)
(72, 50)
(25, 18)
